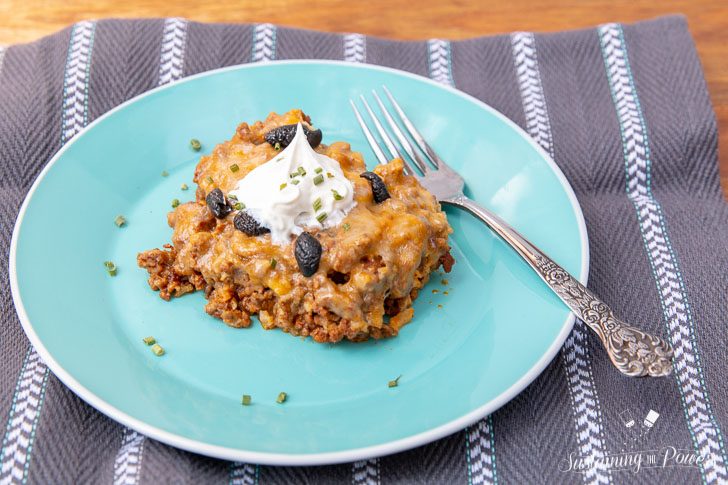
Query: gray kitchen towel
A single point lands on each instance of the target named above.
(625, 113)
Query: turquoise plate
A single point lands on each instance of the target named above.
(464, 355)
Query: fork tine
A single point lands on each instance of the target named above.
(400, 136)
(416, 136)
(368, 134)
(383, 134)
(408, 170)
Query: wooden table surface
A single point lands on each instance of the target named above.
(26, 20)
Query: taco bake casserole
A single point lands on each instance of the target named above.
(304, 238)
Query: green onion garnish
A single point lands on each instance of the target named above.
(110, 268)
(281, 398)
(195, 144)
(232, 197)
(295, 181)
(273, 263)
(321, 217)
(238, 206)
(282, 186)
(246, 400)
(277, 146)
(120, 221)
(209, 180)
(164, 173)
(337, 196)
(175, 203)
(158, 350)
(149, 340)
(318, 179)
(319, 170)
(183, 187)
(330, 175)
(395, 382)
(317, 204)
(346, 226)
(234, 167)
(302, 171)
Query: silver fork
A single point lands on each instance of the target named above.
(632, 351)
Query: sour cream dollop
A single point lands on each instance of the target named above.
(297, 188)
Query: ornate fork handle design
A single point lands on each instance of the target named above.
(632, 351)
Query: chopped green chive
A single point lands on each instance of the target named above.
(183, 187)
(209, 180)
(277, 146)
(149, 340)
(318, 179)
(346, 226)
(319, 170)
(321, 217)
(302, 171)
(330, 175)
(273, 263)
(195, 144)
(110, 268)
(394, 383)
(295, 181)
(282, 186)
(444, 282)
(164, 173)
(232, 197)
(246, 400)
(317, 204)
(238, 206)
(337, 196)
(281, 398)
(234, 167)
(175, 203)
(439, 306)
(120, 221)
(293, 174)
(158, 350)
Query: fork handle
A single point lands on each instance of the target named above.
(632, 351)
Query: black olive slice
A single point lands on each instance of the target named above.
(379, 190)
(308, 254)
(217, 204)
(283, 136)
(244, 222)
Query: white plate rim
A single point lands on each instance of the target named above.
(291, 459)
